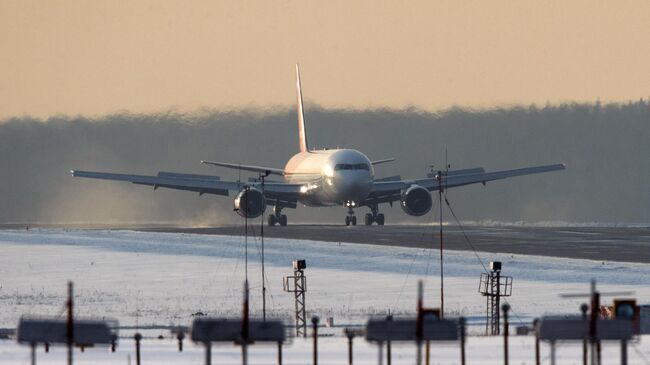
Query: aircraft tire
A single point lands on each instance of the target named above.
(354, 220)
(283, 220)
(368, 220)
(273, 220)
(380, 219)
(347, 220)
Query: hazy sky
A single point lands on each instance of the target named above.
(97, 57)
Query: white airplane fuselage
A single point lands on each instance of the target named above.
(331, 177)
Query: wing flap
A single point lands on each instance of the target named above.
(461, 180)
(203, 184)
(206, 186)
(476, 170)
(188, 176)
(385, 191)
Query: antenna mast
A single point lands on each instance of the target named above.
(442, 277)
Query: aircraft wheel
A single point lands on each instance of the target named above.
(283, 220)
(368, 220)
(273, 220)
(347, 220)
(380, 219)
(354, 220)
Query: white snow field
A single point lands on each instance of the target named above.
(163, 278)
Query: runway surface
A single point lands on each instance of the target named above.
(593, 243)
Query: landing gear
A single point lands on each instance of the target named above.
(380, 219)
(350, 219)
(375, 216)
(277, 217)
(369, 218)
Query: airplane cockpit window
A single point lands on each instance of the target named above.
(346, 166)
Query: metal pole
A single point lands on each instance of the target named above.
(536, 325)
(381, 353)
(584, 308)
(442, 276)
(279, 352)
(244, 327)
(623, 352)
(263, 273)
(599, 352)
(389, 355)
(427, 353)
(247, 191)
(137, 337)
(418, 328)
(350, 339)
(180, 336)
(498, 298)
(314, 321)
(552, 352)
(506, 308)
(595, 305)
(70, 326)
(33, 355)
(461, 322)
(244, 353)
(208, 353)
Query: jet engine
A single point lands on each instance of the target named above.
(416, 201)
(250, 203)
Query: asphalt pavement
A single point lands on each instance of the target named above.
(593, 243)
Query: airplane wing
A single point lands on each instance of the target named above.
(389, 191)
(261, 169)
(377, 162)
(202, 184)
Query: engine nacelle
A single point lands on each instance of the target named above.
(416, 201)
(250, 203)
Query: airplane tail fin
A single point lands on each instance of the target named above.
(302, 134)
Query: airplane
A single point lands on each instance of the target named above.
(316, 178)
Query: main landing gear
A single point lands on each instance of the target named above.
(375, 216)
(277, 217)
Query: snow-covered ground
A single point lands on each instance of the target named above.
(162, 278)
(332, 350)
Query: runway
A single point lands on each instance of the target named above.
(593, 243)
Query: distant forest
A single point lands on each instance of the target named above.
(605, 147)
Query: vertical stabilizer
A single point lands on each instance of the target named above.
(302, 134)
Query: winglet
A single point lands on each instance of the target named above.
(302, 134)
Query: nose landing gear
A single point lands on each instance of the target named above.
(350, 219)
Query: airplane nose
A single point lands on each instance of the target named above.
(352, 188)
